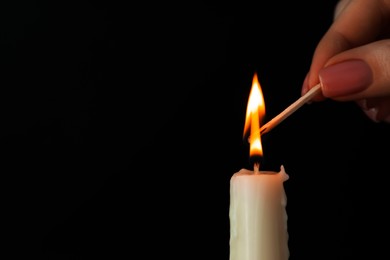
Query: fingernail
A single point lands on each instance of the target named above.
(345, 78)
(372, 114)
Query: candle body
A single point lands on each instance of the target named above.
(258, 218)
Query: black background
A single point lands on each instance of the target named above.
(121, 125)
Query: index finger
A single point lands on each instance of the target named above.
(359, 22)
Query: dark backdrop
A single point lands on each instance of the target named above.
(121, 125)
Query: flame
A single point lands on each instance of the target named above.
(255, 113)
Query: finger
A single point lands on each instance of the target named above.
(305, 86)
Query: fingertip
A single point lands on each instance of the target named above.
(305, 85)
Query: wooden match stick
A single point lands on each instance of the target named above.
(290, 109)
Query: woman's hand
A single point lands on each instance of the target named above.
(352, 60)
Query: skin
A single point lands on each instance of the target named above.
(360, 30)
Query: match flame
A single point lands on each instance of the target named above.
(255, 113)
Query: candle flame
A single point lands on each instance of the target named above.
(254, 115)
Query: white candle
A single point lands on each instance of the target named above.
(258, 218)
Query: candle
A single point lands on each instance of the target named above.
(258, 218)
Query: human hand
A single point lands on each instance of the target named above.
(352, 60)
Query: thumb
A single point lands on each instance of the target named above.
(359, 73)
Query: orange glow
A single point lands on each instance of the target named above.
(255, 113)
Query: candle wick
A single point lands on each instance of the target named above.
(256, 167)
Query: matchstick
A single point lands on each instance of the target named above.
(290, 109)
